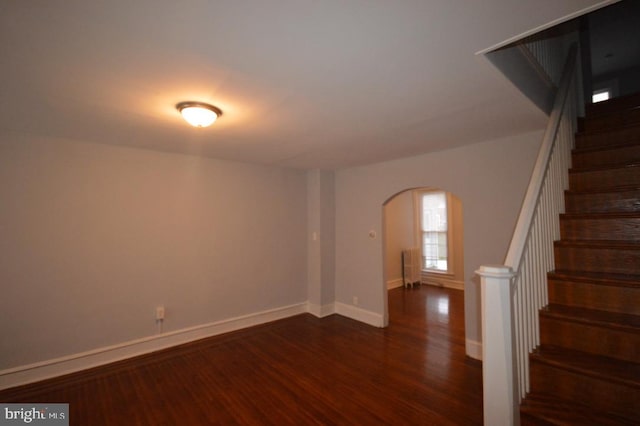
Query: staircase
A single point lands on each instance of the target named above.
(586, 370)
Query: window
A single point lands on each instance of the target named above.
(601, 95)
(434, 229)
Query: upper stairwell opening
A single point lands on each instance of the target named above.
(612, 50)
(609, 56)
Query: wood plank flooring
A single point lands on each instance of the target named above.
(298, 371)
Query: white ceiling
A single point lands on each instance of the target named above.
(302, 83)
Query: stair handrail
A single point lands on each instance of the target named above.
(512, 294)
(525, 219)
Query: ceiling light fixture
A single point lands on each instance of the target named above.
(198, 114)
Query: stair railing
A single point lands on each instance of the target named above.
(513, 293)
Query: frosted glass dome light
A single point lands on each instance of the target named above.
(198, 114)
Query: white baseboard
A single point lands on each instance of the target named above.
(321, 311)
(473, 348)
(81, 361)
(394, 283)
(359, 314)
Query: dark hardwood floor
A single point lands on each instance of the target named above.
(301, 370)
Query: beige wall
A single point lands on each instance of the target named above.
(94, 237)
(489, 178)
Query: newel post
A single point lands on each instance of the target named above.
(500, 401)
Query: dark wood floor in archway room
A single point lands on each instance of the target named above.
(298, 371)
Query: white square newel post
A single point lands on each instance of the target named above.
(500, 401)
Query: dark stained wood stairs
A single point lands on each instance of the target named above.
(586, 370)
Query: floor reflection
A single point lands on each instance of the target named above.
(435, 315)
(437, 307)
(443, 306)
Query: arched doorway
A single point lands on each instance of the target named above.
(431, 220)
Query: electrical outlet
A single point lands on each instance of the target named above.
(160, 313)
(355, 300)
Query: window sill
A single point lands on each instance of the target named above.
(438, 273)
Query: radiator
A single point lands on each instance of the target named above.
(411, 266)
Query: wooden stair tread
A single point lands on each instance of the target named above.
(598, 366)
(613, 147)
(620, 188)
(626, 144)
(601, 215)
(614, 198)
(629, 165)
(556, 411)
(625, 280)
(624, 164)
(600, 132)
(628, 322)
(616, 244)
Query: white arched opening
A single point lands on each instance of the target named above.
(403, 228)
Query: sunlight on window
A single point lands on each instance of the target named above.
(600, 96)
(434, 230)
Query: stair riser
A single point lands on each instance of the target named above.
(608, 138)
(600, 229)
(599, 394)
(604, 179)
(594, 339)
(625, 118)
(622, 155)
(624, 300)
(623, 201)
(607, 260)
